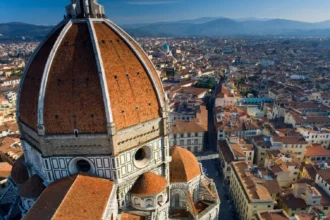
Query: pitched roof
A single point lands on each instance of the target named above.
(5, 170)
(316, 150)
(226, 152)
(128, 216)
(325, 174)
(184, 165)
(78, 197)
(279, 214)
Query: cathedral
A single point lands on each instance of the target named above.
(93, 120)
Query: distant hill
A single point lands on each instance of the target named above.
(206, 26)
(17, 31)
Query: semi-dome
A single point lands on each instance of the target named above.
(184, 166)
(19, 173)
(32, 188)
(88, 74)
(149, 184)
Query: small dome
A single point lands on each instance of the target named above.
(149, 184)
(19, 173)
(184, 165)
(32, 188)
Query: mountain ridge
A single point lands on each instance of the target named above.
(205, 26)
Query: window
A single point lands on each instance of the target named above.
(76, 132)
(177, 200)
(137, 202)
(160, 199)
(140, 154)
(149, 203)
(196, 141)
(142, 157)
(83, 165)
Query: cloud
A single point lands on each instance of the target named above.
(152, 2)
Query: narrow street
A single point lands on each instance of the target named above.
(212, 168)
(213, 172)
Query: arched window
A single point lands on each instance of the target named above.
(149, 203)
(195, 195)
(177, 200)
(160, 199)
(137, 202)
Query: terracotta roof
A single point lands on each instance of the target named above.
(149, 184)
(279, 214)
(5, 170)
(28, 106)
(11, 144)
(74, 98)
(49, 201)
(252, 187)
(181, 127)
(226, 152)
(325, 200)
(290, 139)
(311, 170)
(317, 150)
(325, 174)
(184, 165)
(132, 95)
(19, 173)
(78, 197)
(128, 216)
(291, 201)
(73, 93)
(32, 188)
(147, 61)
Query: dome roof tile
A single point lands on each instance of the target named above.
(184, 165)
(149, 184)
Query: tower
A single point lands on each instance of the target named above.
(92, 114)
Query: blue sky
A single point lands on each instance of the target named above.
(144, 11)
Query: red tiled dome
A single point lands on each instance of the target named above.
(19, 173)
(184, 165)
(149, 184)
(67, 82)
(32, 188)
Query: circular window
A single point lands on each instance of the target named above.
(142, 157)
(83, 166)
(140, 154)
